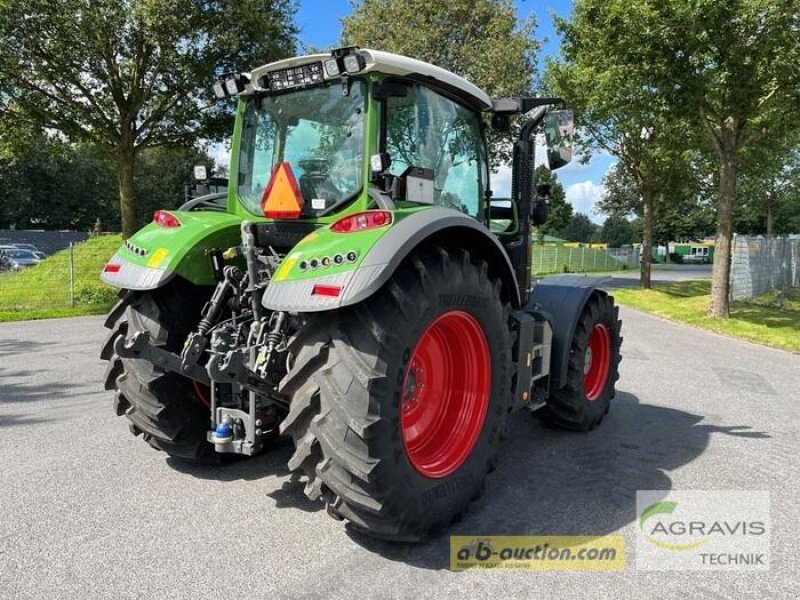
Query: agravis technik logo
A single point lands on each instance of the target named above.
(689, 529)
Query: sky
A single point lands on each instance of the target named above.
(320, 26)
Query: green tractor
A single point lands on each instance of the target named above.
(363, 293)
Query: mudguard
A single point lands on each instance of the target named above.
(561, 300)
(376, 254)
(155, 254)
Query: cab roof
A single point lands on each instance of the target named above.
(389, 64)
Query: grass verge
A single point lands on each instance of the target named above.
(759, 320)
(47, 290)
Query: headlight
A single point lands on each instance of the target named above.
(233, 86)
(332, 67)
(219, 90)
(353, 63)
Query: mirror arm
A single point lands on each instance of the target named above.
(522, 194)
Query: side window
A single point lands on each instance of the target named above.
(425, 129)
(255, 167)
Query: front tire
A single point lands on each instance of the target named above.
(592, 368)
(398, 404)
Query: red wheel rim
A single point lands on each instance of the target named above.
(596, 362)
(445, 394)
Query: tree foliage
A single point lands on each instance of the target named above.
(52, 184)
(733, 66)
(481, 40)
(723, 73)
(619, 110)
(130, 75)
(768, 192)
(680, 215)
(580, 228)
(560, 210)
(618, 232)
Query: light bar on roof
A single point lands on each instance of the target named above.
(294, 77)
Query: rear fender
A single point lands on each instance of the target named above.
(155, 254)
(561, 300)
(377, 254)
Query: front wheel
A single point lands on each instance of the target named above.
(398, 404)
(592, 368)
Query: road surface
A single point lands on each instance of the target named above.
(88, 511)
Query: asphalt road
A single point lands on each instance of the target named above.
(88, 511)
(660, 274)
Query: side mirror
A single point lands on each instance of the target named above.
(559, 132)
(200, 172)
(539, 213)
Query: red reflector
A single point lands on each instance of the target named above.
(332, 291)
(112, 268)
(165, 219)
(362, 221)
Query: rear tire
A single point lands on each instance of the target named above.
(592, 370)
(166, 409)
(351, 389)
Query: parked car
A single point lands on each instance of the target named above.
(24, 246)
(19, 258)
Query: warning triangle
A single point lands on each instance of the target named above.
(282, 198)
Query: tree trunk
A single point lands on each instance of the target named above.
(647, 239)
(770, 218)
(721, 274)
(126, 159)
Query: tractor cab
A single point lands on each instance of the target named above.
(355, 124)
(326, 135)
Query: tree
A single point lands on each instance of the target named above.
(53, 184)
(768, 188)
(730, 67)
(560, 210)
(680, 214)
(618, 109)
(579, 229)
(734, 66)
(161, 177)
(618, 232)
(130, 75)
(481, 40)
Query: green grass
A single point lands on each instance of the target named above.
(759, 320)
(556, 259)
(43, 291)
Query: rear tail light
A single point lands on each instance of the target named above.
(164, 219)
(332, 291)
(362, 221)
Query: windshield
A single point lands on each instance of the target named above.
(19, 254)
(319, 131)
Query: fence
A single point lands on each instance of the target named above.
(66, 282)
(762, 264)
(558, 259)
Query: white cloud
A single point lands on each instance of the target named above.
(501, 182)
(584, 197)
